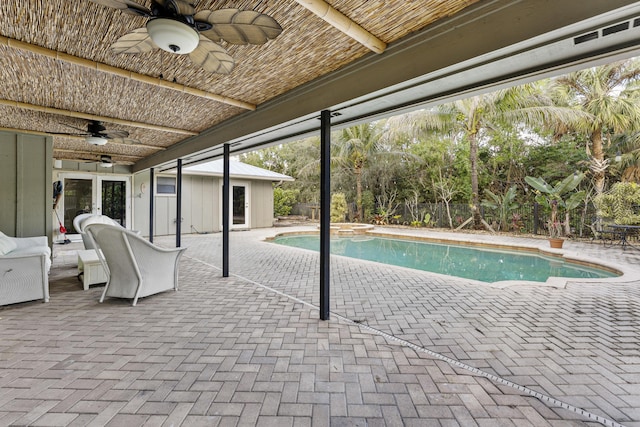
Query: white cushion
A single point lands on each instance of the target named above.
(7, 244)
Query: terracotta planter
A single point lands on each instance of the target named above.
(556, 243)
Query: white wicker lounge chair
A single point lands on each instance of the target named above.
(83, 220)
(135, 267)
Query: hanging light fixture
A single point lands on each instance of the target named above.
(105, 161)
(172, 35)
(96, 140)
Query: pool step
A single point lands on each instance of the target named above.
(347, 232)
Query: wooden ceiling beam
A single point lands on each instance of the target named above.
(340, 21)
(86, 116)
(36, 132)
(91, 153)
(98, 66)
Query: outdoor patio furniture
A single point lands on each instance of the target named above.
(83, 220)
(90, 269)
(135, 268)
(24, 269)
(623, 234)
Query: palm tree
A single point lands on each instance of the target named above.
(474, 119)
(355, 147)
(605, 93)
(627, 152)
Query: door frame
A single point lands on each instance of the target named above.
(247, 204)
(96, 194)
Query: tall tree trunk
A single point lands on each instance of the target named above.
(446, 203)
(358, 173)
(598, 166)
(475, 197)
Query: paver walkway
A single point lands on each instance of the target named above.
(403, 347)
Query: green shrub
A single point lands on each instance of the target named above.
(283, 201)
(338, 207)
(620, 204)
(368, 205)
(427, 219)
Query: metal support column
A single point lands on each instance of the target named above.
(179, 203)
(325, 212)
(151, 200)
(225, 212)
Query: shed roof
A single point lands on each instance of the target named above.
(236, 170)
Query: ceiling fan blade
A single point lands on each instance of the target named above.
(84, 131)
(68, 134)
(124, 141)
(212, 57)
(114, 134)
(127, 6)
(239, 26)
(137, 41)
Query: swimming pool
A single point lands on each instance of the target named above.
(486, 265)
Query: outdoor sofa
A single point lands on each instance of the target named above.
(24, 269)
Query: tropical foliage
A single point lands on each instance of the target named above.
(620, 204)
(478, 151)
(338, 207)
(557, 199)
(504, 204)
(607, 95)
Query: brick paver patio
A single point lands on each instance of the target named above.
(403, 347)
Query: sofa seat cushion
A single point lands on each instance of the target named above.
(7, 244)
(31, 250)
(30, 246)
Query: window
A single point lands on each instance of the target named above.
(166, 185)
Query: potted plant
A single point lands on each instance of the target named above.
(557, 199)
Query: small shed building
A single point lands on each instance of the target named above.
(250, 196)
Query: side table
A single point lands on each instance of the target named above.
(90, 268)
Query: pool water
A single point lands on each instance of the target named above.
(486, 265)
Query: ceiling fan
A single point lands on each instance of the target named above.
(103, 160)
(175, 26)
(106, 161)
(97, 134)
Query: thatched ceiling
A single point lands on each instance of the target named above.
(58, 88)
(307, 48)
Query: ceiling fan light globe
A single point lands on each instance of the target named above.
(173, 36)
(105, 161)
(96, 140)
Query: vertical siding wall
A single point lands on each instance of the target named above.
(26, 170)
(261, 204)
(141, 202)
(201, 205)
